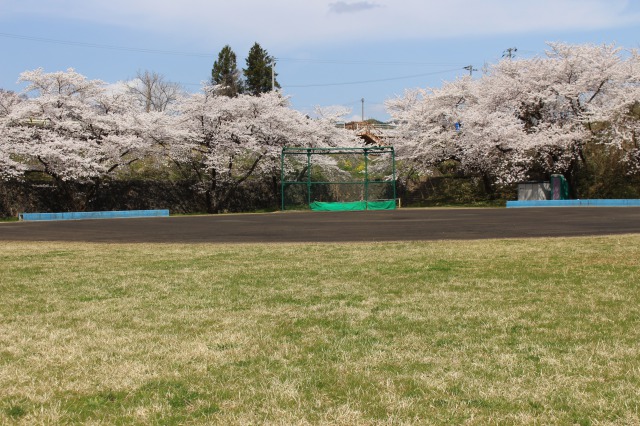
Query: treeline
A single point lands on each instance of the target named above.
(70, 143)
(83, 140)
(575, 111)
(18, 196)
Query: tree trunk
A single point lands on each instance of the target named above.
(488, 186)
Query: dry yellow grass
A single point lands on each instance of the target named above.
(482, 332)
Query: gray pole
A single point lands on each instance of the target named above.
(273, 76)
(510, 52)
(363, 109)
(471, 69)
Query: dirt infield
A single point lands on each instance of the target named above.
(398, 225)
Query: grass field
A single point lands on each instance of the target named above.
(541, 331)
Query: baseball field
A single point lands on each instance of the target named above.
(507, 329)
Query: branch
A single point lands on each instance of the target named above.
(597, 91)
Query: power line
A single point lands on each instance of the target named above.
(361, 62)
(103, 46)
(209, 55)
(406, 77)
(349, 83)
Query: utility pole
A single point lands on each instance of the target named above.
(273, 75)
(471, 69)
(362, 110)
(510, 53)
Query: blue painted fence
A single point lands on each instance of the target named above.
(93, 215)
(574, 203)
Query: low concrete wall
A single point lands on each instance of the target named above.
(93, 215)
(574, 203)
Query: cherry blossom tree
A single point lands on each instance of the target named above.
(153, 91)
(72, 128)
(75, 130)
(454, 125)
(10, 166)
(564, 96)
(525, 117)
(222, 142)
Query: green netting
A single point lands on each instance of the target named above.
(381, 205)
(353, 206)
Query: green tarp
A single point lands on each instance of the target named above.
(559, 188)
(353, 206)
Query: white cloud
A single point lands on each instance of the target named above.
(295, 22)
(344, 7)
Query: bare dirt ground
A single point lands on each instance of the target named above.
(398, 225)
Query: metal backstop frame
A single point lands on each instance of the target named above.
(369, 200)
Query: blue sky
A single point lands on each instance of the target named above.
(329, 52)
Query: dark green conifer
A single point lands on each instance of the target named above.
(225, 73)
(258, 73)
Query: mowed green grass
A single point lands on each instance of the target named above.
(536, 331)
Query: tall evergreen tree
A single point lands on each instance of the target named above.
(258, 74)
(225, 73)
